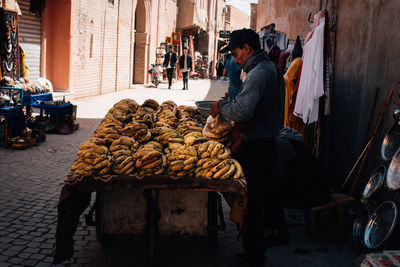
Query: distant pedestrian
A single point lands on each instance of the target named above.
(170, 63)
(219, 68)
(185, 64)
(233, 71)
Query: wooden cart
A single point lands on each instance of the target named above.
(142, 205)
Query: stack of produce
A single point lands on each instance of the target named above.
(139, 131)
(149, 159)
(166, 114)
(182, 161)
(122, 150)
(217, 129)
(92, 159)
(215, 162)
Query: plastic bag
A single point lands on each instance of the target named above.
(217, 129)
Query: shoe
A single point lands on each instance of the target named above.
(183, 88)
(169, 87)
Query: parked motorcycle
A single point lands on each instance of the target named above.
(156, 73)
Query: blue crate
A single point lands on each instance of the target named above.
(13, 92)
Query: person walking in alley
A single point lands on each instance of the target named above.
(170, 63)
(257, 114)
(185, 65)
(233, 71)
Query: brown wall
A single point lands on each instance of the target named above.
(289, 16)
(366, 44)
(236, 19)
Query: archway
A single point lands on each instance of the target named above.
(141, 42)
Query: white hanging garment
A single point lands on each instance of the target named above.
(311, 86)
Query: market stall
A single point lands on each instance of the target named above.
(149, 154)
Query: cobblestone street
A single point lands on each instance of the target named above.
(31, 184)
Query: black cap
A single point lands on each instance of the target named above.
(241, 37)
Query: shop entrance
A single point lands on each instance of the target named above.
(141, 42)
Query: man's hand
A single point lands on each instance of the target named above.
(214, 109)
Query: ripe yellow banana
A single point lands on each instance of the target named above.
(230, 172)
(222, 171)
(239, 170)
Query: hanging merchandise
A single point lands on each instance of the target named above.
(9, 44)
(311, 86)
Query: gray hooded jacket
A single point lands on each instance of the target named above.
(255, 96)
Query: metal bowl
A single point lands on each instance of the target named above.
(204, 107)
(380, 225)
(393, 173)
(359, 226)
(391, 142)
(375, 181)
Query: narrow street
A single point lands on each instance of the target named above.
(31, 183)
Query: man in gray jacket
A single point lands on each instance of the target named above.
(258, 113)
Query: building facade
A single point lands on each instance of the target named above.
(236, 19)
(253, 16)
(95, 47)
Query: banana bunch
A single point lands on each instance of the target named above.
(167, 105)
(144, 115)
(110, 118)
(182, 161)
(108, 134)
(149, 159)
(193, 138)
(123, 162)
(124, 143)
(166, 135)
(169, 117)
(138, 131)
(92, 159)
(227, 168)
(126, 106)
(151, 103)
(211, 154)
(217, 129)
(188, 125)
(111, 124)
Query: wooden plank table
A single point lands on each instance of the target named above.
(76, 193)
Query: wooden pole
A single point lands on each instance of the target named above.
(370, 114)
(378, 123)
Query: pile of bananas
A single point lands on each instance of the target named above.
(149, 159)
(155, 139)
(139, 131)
(217, 129)
(92, 159)
(182, 161)
(215, 162)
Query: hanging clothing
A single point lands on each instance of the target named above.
(23, 67)
(311, 86)
(290, 77)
